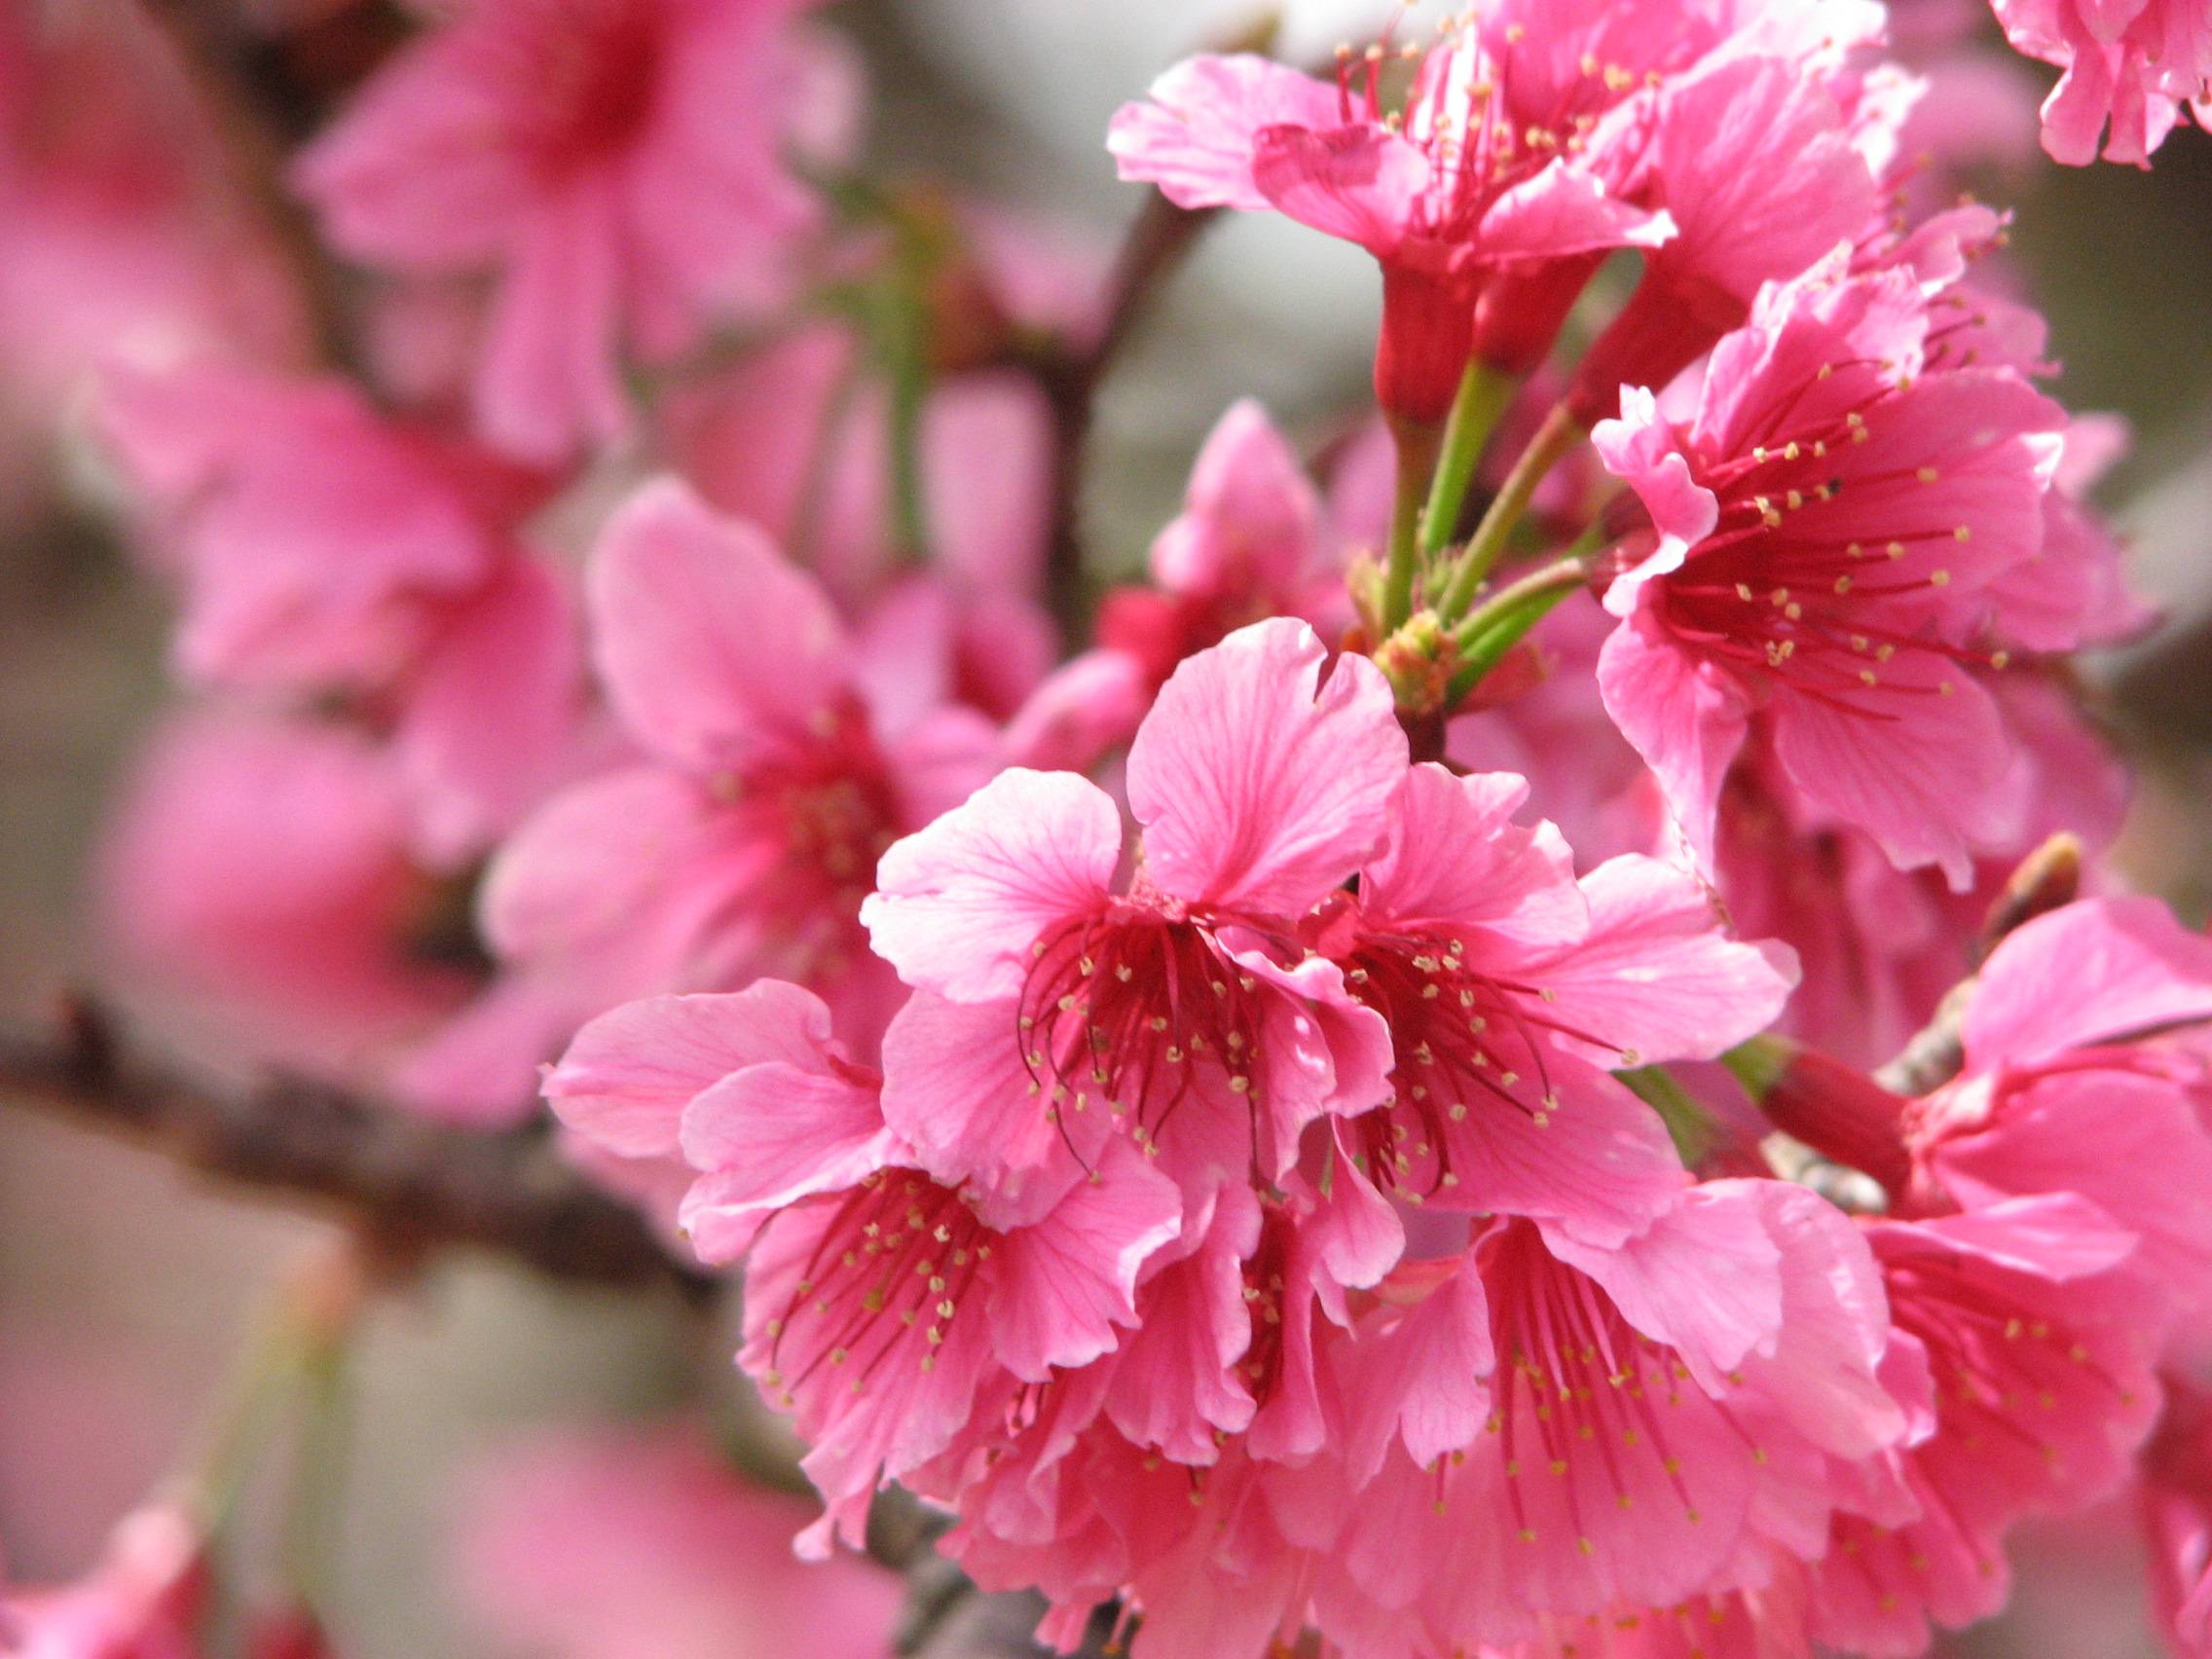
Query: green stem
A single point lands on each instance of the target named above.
(1482, 397)
(1688, 1124)
(1484, 635)
(1560, 432)
(319, 1477)
(1416, 447)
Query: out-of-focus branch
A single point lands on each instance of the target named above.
(1157, 242)
(267, 95)
(408, 1185)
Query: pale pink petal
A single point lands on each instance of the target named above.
(1656, 975)
(1194, 138)
(628, 1075)
(1258, 785)
(960, 905)
(678, 600)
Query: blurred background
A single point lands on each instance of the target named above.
(127, 1288)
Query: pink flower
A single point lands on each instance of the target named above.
(642, 1543)
(145, 1599)
(1480, 189)
(1178, 1000)
(1251, 543)
(1828, 524)
(795, 437)
(741, 840)
(2136, 67)
(2056, 1098)
(2176, 1502)
(618, 163)
(883, 1308)
(128, 241)
(1762, 174)
(1881, 946)
(259, 870)
(1509, 989)
(1660, 1414)
(2037, 1341)
(323, 549)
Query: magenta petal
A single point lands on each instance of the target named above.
(1259, 786)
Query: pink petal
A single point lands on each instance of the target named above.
(1250, 517)
(1686, 719)
(959, 905)
(1706, 1279)
(492, 711)
(1656, 975)
(628, 1075)
(1361, 183)
(2087, 973)
(1195, 137)
(773, 1133)
(547, 382)
(1068, 1279)
(1259, 786)
(957, 1090)
(1640, 449)
(1454, 855)
(678, 598)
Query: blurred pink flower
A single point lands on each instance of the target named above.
(1253, 541)
(740, 841)
(324, 549)
(641, 1543)
(621, 163)
(2135, 68)
(258, 870)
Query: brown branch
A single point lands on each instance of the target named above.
(1157, 242)
(408, 1185)
(2047, 880)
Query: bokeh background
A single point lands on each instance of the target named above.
(126, 1288)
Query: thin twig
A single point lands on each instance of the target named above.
(405, 1183)
(1157, 242)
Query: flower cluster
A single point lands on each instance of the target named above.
(1225, 1110)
